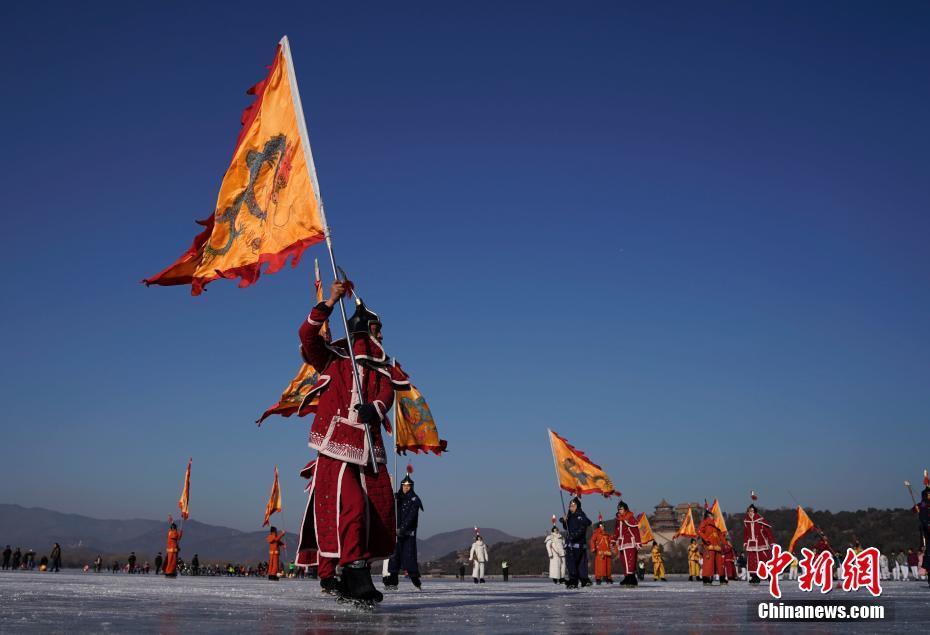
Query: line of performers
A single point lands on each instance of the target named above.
(714, 558)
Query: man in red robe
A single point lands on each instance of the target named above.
(600, 549)
(275, 540)
(626, 539)
(350, 510)
(729, 558)
(758, 539)
(712, 539)
(171, 557)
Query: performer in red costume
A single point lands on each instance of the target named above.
(729, 558)
(626, 539)
(758, 539)
(350, 511)
(712, 539)
(275, 541)
(174, 546)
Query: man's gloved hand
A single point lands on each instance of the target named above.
(367, 413)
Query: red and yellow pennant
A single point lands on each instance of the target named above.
(274, 500)
(576, 473)
(415, 428)
(687, 529)
(805, 525)
(185, 500)
(645, 529)
(718, 517)
(268, 207)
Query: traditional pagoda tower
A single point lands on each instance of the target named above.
(664, 518)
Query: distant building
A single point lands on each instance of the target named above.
(682, 508)
(664, 518)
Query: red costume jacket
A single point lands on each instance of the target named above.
(710, 535)
(757, 534)
(336, 431)
(626, 531)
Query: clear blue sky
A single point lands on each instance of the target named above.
(690, 237)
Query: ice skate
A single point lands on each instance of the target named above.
(331, 586)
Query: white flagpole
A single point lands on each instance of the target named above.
(311, 167)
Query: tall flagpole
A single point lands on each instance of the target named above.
(357, 390)
(558, 483)
(394, 438)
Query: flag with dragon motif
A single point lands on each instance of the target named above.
(268, 208)
(576, 472)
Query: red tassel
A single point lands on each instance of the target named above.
(752, 495)
(409, 469)
(926, 479)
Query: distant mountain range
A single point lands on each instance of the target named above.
(82, 538)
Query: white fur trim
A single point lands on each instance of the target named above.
(314, 322)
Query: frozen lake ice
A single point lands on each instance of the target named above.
(86, 602)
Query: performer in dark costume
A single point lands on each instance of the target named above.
(409, 506)
(576, 524)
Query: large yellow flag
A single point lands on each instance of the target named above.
(268, 208)
(687, 529)
(576, 473)
(645, 529)
(274, 500)
(805, 524)
(185, 500)
(415, 428)
(718, 517)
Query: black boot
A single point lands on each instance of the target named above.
(416, 582)
(706, 580)
(690, 578)
(723, 579)
(754, 579)
(585, 582)
(390, 581)
(357, 584)
(629, 580)
(481, 580)
(554, 581)
(597, 581)
(476, 580)
(572, 583)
